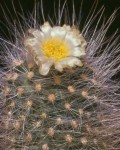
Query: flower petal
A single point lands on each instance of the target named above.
(83, 42)
(77, 52)
(68, 62)
(40, 59)
(30, 42)
(36, 33)
(58, 66)
(72, 38)
(71, 61)
(46, 28)
(45, 67)
(66, 27)
(58, 32)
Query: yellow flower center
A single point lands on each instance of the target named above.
(55, 48)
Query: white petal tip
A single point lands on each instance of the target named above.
(45, 67)
(58, 67)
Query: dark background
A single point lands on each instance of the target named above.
(28, 5)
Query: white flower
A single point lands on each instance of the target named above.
(58, 46)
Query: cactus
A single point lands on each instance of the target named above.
(76, 108)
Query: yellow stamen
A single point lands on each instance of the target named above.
(55, 48)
